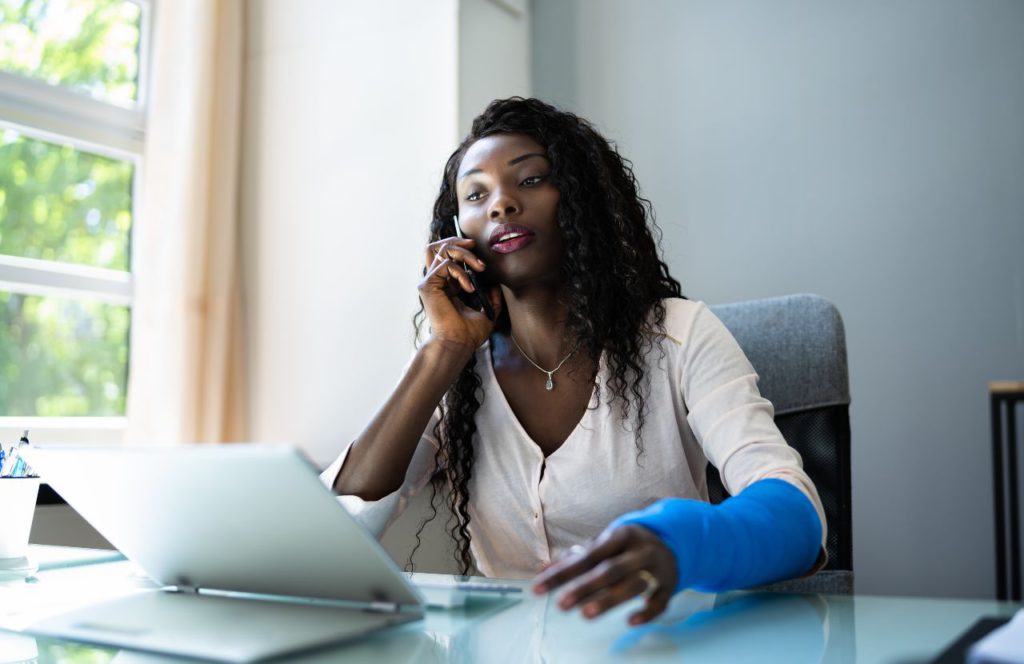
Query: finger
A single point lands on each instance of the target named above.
(449, 271)
(446, 271)
(459, 241)
(654, 607)
(436, 253)
(575, 564)
(611, 596)
(562, 570)
(451, 247)
(462, 256)
(441, 257)
(466, 256)
(435, 259)
(609, 573)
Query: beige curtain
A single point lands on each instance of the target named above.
(186, 344)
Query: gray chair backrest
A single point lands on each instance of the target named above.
(797, 345)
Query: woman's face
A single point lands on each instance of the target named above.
(507, 204)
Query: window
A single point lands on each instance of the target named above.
(72, 126)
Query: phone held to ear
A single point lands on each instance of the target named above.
(478, 299)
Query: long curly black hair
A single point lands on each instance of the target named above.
(613, 275)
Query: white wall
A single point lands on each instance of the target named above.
(494, 55)
(872, 152)
(351, 111)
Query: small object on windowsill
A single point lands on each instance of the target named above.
(12, 466)
(19, 489)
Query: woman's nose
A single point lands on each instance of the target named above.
(503, 206)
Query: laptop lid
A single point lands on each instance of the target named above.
(250, 518)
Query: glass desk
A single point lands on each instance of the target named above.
(731, 627)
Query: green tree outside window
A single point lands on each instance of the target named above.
(88, 45)
(66, 356)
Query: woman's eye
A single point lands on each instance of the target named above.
(474, 196)
(532, 180)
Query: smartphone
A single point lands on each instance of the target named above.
(478, 299)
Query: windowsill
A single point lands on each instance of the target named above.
(64, 423)
(60, 430)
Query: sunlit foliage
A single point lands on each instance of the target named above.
(64, 356)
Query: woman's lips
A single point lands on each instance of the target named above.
(513, 244)
(507, 238)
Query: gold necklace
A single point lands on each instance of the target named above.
(550, 385)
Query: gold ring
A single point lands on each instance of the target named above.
(651, 584)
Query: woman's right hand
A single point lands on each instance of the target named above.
(451, 321)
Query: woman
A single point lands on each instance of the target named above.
(596, 392)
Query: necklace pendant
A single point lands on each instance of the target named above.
(550, 385)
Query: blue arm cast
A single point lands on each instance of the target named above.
(769, 532)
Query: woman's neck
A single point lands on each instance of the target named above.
(538, 321)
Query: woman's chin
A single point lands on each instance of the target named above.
(523, 282)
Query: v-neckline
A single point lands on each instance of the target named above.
(493, 377)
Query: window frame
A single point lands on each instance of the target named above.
(62, 115)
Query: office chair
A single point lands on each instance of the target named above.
(798, 348)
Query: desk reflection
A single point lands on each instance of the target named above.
(731, 627)
(18, 649)
(759, 627)
(397, 647)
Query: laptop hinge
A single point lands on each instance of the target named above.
(384, 607)
(190, 590)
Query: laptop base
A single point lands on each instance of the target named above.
(229, 629)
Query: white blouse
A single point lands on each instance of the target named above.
(526, 510)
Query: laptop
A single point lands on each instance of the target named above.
(257, 558)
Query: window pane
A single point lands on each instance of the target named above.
(62, 356)
(62, 204)
(89, 45)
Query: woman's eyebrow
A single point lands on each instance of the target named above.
(527, 156)
(513, 162)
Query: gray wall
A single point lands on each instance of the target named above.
(871, 152)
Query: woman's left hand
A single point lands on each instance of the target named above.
(622, 563)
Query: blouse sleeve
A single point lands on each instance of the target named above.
(377, 515)
(734, 424)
